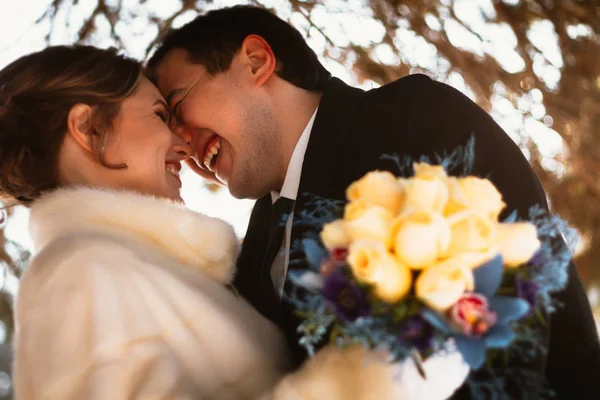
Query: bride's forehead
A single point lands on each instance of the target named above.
(146, 91)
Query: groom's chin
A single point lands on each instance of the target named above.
(246, 191)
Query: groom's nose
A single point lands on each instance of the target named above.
(184, 134)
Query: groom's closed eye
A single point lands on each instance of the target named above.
(175, 113)
(171, 98)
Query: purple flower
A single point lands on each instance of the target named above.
(348, 300)
(417, 332)
(528, 291)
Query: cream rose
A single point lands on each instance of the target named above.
(441, 286)
(364, 257)
(371, 263)
(334, 235)
(420, 238)
(427, 190)
(362, 221)
(476, 194)
(377, 188)
(517, 242)
(428, 171)
(470, 233)
(393, 281)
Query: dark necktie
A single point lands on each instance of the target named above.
(279, 214)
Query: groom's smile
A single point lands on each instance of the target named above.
(211, 153)
(233, 117)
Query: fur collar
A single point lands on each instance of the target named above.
(205, 243)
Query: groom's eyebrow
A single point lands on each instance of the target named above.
(172, 94)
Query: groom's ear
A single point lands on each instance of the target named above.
(258, 58)
(79, 124)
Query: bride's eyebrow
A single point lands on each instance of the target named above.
(160, 102)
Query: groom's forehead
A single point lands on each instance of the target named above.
(172, 71)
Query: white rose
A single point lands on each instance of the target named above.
(475, 194)
(420, 238)
(517, 242)
(427, 190)
(362, 221)
(442, 285)
(428, 171)
(377, 188)
(334, 235)
(371, 263)
(470, 233)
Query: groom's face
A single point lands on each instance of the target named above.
(234, 134)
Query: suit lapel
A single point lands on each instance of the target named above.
(326, 143)
(249, 265)
(322, 169)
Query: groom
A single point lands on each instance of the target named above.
(268, 121)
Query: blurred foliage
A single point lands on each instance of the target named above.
(541, 56)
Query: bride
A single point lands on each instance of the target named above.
(127, 295)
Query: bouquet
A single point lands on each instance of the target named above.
(423, 267)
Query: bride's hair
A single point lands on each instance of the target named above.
(37, 92)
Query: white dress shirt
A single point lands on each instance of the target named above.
(289, 190)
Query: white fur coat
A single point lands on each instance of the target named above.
(125, 299)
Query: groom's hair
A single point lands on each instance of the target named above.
(213, 39)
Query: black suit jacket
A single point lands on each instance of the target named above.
(416, 116)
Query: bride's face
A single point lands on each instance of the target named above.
(140, 138)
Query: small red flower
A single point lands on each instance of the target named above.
(471, 315)
(339, 254)
(336, 259)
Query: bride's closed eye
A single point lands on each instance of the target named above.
(163, 115)
(161, 110)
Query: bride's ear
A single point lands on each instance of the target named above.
(79, 125)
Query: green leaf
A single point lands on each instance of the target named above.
(304, 314)
(400, 312)
(540, 316)
(335, 333)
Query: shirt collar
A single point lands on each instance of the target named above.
(292, 177)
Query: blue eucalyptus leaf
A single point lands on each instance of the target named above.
(512, 217)
(314, 252)
(508, 309)
(472, 350)
(308, 280)
(499, 336)
(434, 319)
(488, 276)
